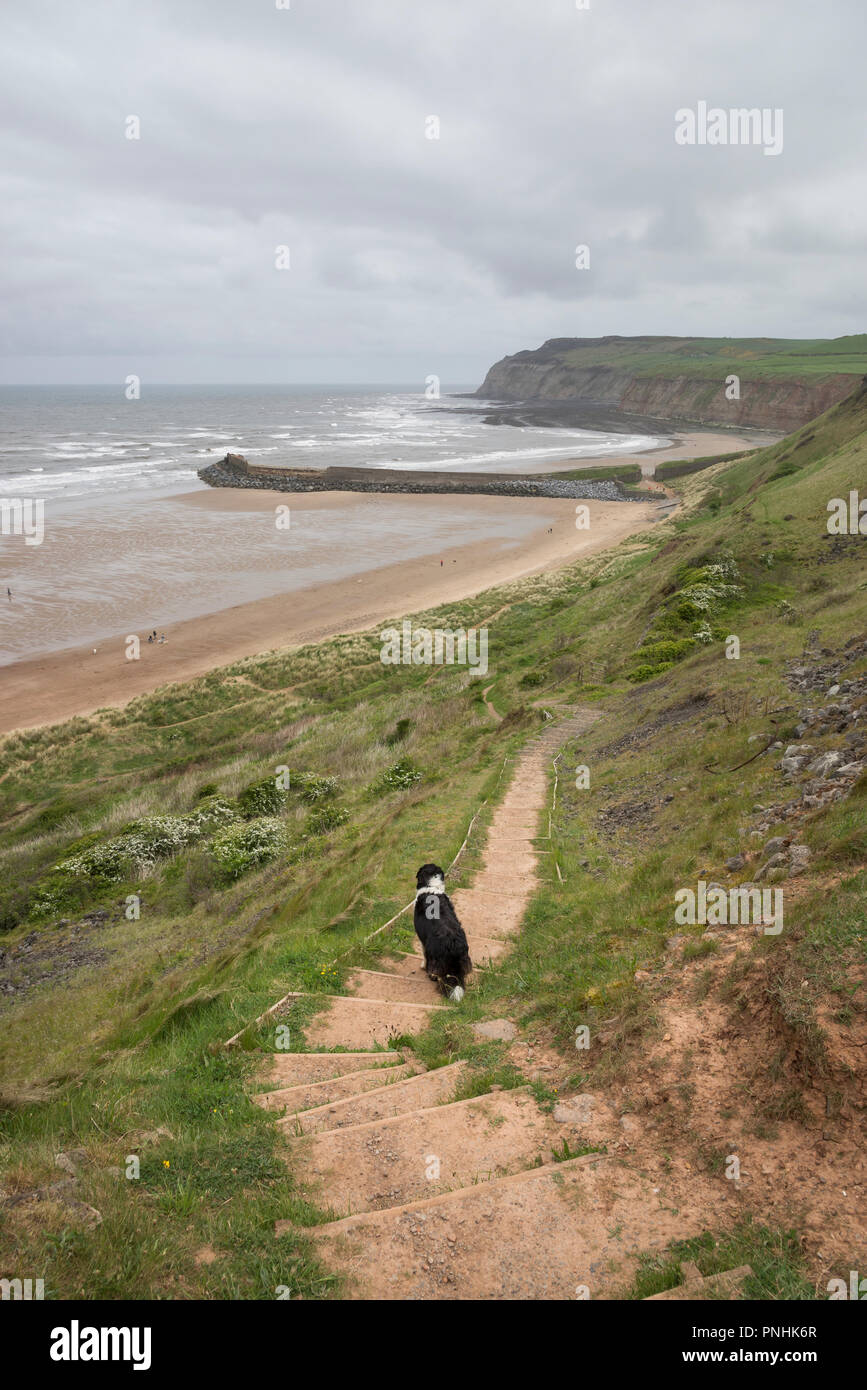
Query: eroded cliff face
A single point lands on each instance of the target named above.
(768, 402)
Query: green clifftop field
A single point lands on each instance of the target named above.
(158, 890)
(784, 382)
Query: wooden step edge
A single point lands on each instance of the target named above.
(256, 1096)
(345, 1223)
(362, 999)
(332, 1052)
(381, 975)
(419, 1110)
(376, 1091)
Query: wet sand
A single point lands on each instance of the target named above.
(76, 681)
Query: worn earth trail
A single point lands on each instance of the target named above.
(442, 1198)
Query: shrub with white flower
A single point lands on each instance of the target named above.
(211, 814)
(143, 843)
(724, 570)
(702, 591)
(312, 788)
(157, 837)
(402, 775)
(239, 848)
(708, 587)
(108, 863)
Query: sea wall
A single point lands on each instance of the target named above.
(235, 471)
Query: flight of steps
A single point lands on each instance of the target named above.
(440, 1197)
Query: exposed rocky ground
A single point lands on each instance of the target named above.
(823, 769)
(52, 956)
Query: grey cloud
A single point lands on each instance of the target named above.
(306, 127)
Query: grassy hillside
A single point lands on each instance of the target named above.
(111, 1024)
(750, 358)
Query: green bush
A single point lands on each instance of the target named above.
(699, 589)
(398, 733)
(644, 672)
(668, 651)
(13, 908)
(52, 898)
(326, 818)
(263, 798)
(311, 788)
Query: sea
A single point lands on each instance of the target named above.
(74, 442)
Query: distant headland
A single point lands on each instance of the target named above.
(765, 383)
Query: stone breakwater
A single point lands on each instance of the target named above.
(235, 471)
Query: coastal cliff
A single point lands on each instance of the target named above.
(783, 383)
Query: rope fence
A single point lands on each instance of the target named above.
(293, 994)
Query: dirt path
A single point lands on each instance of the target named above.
(488, 706)
(436, 1197)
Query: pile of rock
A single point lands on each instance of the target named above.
(811, 675)
(827, 774)
(782, 860)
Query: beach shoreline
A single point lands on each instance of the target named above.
(60, 685)
(60, 682)
(686, 444)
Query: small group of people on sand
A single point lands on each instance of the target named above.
(152, 637)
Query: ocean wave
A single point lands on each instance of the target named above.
(385, 429)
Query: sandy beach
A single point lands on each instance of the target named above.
(50, 687)
(215, 572)
(688, 444)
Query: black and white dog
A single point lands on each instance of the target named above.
(446, 953)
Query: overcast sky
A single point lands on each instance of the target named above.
(307, 128)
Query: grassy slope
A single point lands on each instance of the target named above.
(125, 1042)
(750, 358)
